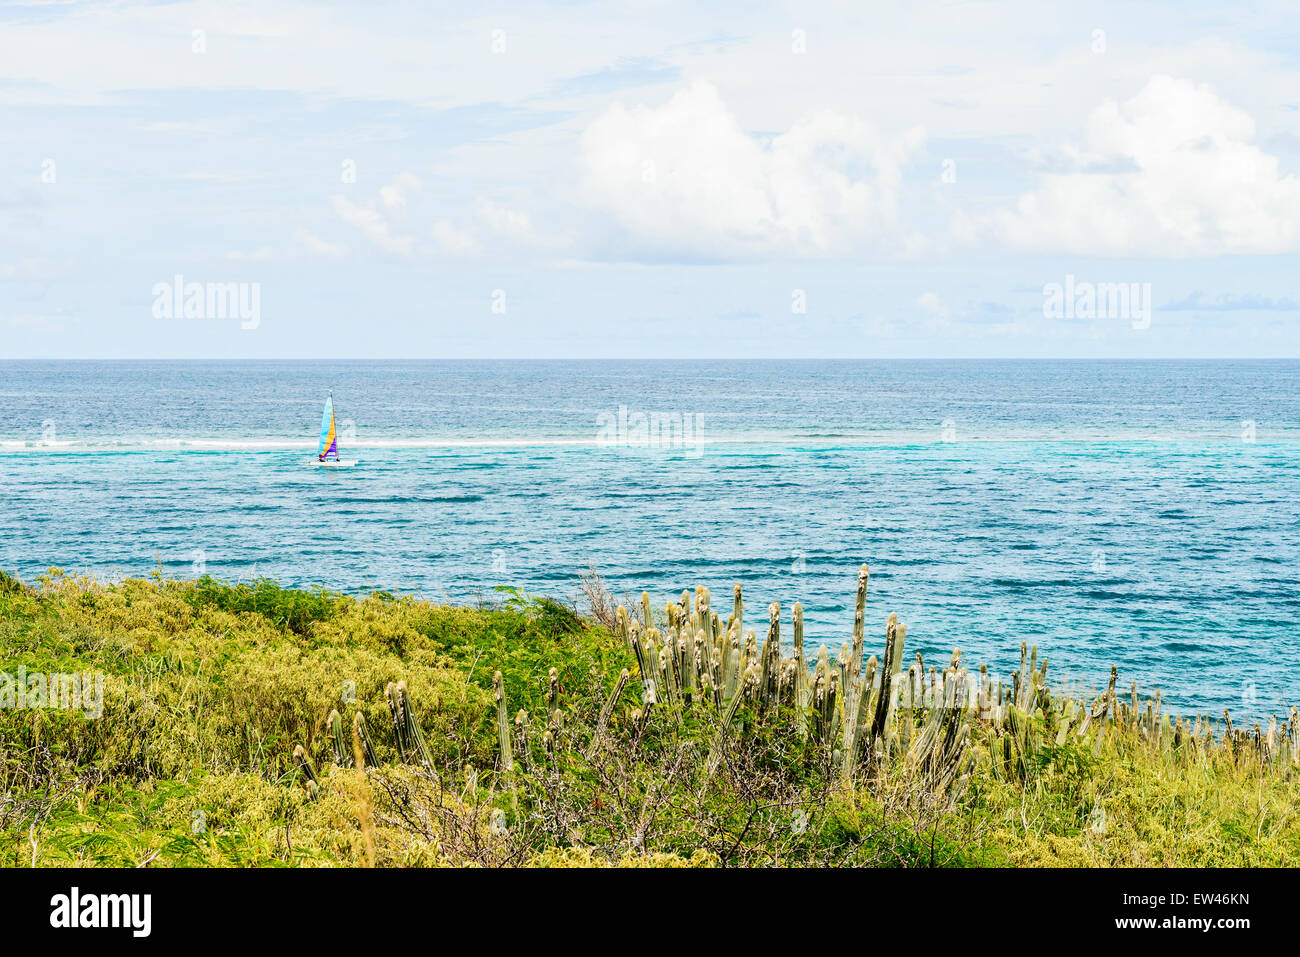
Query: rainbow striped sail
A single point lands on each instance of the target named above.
(329, 439)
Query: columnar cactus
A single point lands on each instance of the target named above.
(859, 636)
(895, 634)
(737, 623)
(503, 725)
(399, 725)
(621, 625)
(412, 734)
(522, 739)
(362, 746)
(607, 709)
(342, 753)
(801, 664)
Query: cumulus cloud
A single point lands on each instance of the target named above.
(1172, 172)
(514, 226)
(685, 179)
(394, 195)
(373, 224)
(320, 247)
(932, 304)
(389, 222)
(450, 239)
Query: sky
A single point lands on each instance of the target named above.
(550, 180)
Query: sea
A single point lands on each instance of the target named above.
(1140, 514)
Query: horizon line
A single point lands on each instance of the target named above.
(637, 359)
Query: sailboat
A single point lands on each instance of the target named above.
(327, 456)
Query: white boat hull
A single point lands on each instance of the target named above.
(335, 464)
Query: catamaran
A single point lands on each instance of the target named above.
(327, 456)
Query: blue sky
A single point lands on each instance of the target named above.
(555, 180)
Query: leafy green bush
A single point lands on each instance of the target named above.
(284, 607)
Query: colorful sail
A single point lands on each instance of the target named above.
(329, 440)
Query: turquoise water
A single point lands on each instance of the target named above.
(1110, 512)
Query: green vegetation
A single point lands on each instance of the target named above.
(247, 724)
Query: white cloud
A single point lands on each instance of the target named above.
(373, 224)
(393, 196)
(514, 226)
(685, 179)
(1172, 172)
(504, 221)
(318, 246)
(489, 225)
(453, 241)
(932, 304)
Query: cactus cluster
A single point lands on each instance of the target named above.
(883, 712)
(410, 740)
(359, 751)
(864, 715)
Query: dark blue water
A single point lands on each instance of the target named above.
(1110, 512)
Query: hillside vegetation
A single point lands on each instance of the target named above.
(248, 724)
